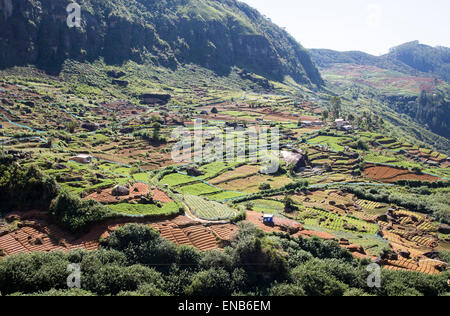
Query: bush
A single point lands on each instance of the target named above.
(286, 289)
(112, 279)
(34, 272)
(189, 258)
(241, 216)
(75, 214)
(143, 245)
(59, 293)
(25, 187)
(317, 282)
(217, 259)
(212, 282)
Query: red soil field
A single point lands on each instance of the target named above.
(43, 238)
(389, 174)
(424, 266)
(136, 191)
(38, 235)
(256, 219)
(322, 235)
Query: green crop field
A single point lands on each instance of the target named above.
(338, 222)
(335, 143)
(198, 189)
(144, 209)
(208, 210)
(144, 177)
(266, 206)
(175, 179)
(225, 195)
(212, 169)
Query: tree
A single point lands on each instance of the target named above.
(289, 206)
(71, 126)
(213, 282)
(325, 115)
(156, 131)
(286, 289)
(336, 104)
(214, 110)
(143, 245)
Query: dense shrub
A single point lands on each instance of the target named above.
(212, 282)
(241, 216)
(286, 289)
(112, 279)
(35, 272)
(75, 214)
(143, 245)
(24, 187)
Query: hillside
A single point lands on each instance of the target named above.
(191, 148)
(410, 58)
(216, 34)
(326, 58)
(424, 58)
(411, 79)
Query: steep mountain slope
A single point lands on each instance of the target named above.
(427, 59)
(410, 79)
(326, 58)
(217, 34)
(410, 58)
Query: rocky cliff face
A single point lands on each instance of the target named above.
(217, 34)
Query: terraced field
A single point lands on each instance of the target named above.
(370, 205)
(251, 184)
(208, 210)
(428, 267)
(127, 152)
(175, 179)
(167, 209)
(198, 189)
(314, 217)
(334, 143)
(389, 174)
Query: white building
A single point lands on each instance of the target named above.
(85, 159)
(340, 123)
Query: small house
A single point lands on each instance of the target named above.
(340, 123)
(268, 219)
(84, 159)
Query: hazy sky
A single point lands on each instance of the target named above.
(372, 26)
